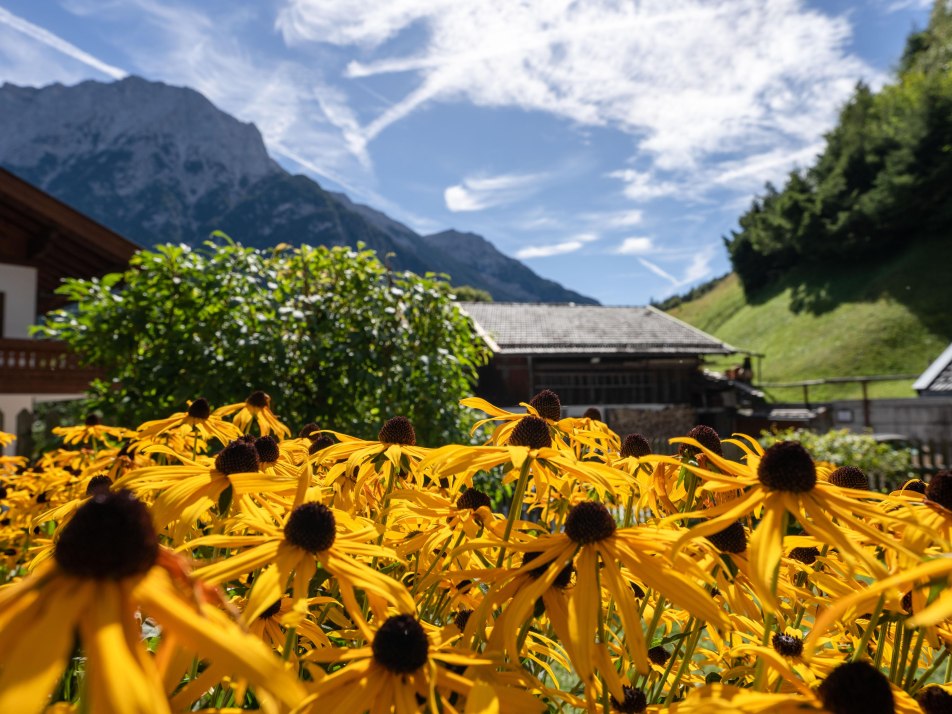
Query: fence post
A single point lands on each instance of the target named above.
(24, 433)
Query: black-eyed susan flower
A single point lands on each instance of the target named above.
(197, 418)
(778, 483)
(311, 534)
(107, 563)
(366, 472)
(188, 490)
(256, 408)
(406, 667)
(92, 431)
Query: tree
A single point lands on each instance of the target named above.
(329, 333)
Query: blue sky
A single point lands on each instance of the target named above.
(609, 145)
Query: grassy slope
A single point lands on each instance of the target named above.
(891, 316)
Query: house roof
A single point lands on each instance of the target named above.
(549, 328)
(938, 375)
(43, 232)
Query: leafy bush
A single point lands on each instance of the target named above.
(882, 463)
(330, 331)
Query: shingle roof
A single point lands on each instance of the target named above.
(938, 376)
(547, 328)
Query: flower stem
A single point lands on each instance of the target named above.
(515, 508)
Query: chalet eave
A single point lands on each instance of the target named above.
(594, 350)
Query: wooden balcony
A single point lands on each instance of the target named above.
(41, 367)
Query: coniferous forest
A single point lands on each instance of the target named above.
(883, 180)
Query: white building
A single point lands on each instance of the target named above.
(43, 241)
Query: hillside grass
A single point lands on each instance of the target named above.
(889, 315)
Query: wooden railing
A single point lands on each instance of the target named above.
(41, 367)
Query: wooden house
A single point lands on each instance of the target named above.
(641, 367)
(42, 241)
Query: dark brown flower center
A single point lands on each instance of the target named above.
(787, 645)
(634, 702)
(239, 457)
(635, 445)
(473, 498)
(593, 413)
(589, 522)
(271, 611)
(706, 437)
(92, 420)
(267, 449)
(397, 430)
(850, 477)
(401, 645)
(461, 618)
(312, 527)
(916, 484)
(732, 539)
(111, 536)
(309, 431)
(321, 442)
(857, 688)
(199, 409)
(786, 466)
(805, 554)
(562, 580)
(939, 489)
(98, 482)
(547, 404)
(531, 431)
(906, 602)
(258, 399)
(659, 655)
(934, 700)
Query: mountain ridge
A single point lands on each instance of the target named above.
(159, 163)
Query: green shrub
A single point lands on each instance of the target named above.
(883, 464)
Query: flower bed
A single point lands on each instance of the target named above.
(211, 561)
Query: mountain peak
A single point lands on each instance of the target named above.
(159, 163)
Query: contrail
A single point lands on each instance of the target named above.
(59, 44)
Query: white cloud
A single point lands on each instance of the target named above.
(752, 171)
(690, 79)
(55, 42)
(620, 219)
(643, 186)
(745, 175)
(909, 5)
(576, 242)
(544, 251)
(480, 192)
(700, 267)
(635, 246)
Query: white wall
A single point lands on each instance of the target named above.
(916, 417)
(18, 283)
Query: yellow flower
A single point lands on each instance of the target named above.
(107, 563)
(188, 490)
(197, 418)
(257, 407)
(783, 481)
(406, 663)
(93, 431)
(308, 536)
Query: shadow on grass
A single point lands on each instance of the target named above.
(915, 275)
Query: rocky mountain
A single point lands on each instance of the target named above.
(160, 164)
